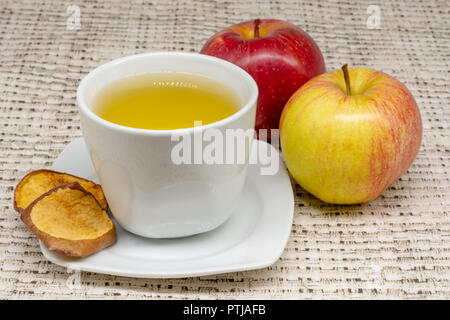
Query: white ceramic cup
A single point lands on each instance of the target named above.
(148, 193)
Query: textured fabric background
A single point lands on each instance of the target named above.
(397, 246)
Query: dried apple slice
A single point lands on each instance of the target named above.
(39, 182)
(68, 219)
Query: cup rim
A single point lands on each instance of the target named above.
(82, 105)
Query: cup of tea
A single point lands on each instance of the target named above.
(169, 135)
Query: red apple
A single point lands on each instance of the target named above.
(278, 55)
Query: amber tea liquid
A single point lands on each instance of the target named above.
(163, 101)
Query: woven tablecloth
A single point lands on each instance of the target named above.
(397, 246)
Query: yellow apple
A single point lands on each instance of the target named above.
(348, 134)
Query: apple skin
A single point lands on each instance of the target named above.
(281, 59)
(349, 149)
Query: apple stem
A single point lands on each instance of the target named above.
(347, 79)
(256, 28)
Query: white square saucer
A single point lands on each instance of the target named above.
(254, 237)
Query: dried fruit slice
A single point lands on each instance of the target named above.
(39, 182)
(68, 219)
